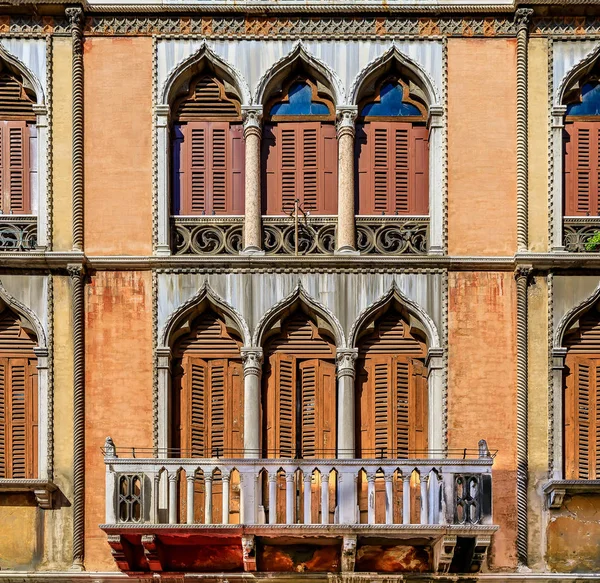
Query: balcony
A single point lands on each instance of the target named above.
(317, 515)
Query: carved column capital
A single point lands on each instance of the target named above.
(522, 17)
(346, 117)
(75, 16)
(75, 271)
(252, 359)
(252, 116)
(523, 272)
(346, 358)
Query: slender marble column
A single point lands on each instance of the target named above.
(346, 372)
(252, 221)
(252, 359)
(346, 235)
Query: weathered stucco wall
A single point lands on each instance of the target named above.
(482, 207)
(62, 166)
(482, 387)
(20, 533)
(118, 387)
(118, 160)
(538, 415)
(537, 94)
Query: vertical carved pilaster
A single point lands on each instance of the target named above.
(75, 16)
(522, 275)
(77, 274)
(346, 231)
(522, 21)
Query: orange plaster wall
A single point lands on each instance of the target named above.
(118, 385)
(118, 146)
(482, 387)
(482, 163)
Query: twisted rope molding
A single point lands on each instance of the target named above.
(75, 16)
(551, 242)
(522, 17)
(155, 359)
(550, 285)
(49, 149)
(445, 146)
(50, 433)
(445, 334)
(77, 274)
(522, 275)
(154, 143)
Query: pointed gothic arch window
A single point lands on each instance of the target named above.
(208, 390)
(582, 398)
(208, 149)
(299, 148)
(392, 150)
(18, 399)
(582, 146)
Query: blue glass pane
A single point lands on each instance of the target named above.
(390, 103)
(590, 101)
(300, 102)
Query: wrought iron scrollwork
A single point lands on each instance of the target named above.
(18, 233)
(392, 237)
(314, 237)
(578, 231)
(200, 237)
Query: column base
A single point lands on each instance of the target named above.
(435, 250)
(346, 250)
(251, 250)
(163, 250)
(560, 249)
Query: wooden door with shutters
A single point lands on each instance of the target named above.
(209, 168)
(582, 168)
(582, 418)
(18, 418)
(15, 167)
(299, 161)
(393, 168)
(392, 407)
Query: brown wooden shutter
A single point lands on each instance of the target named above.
(217, 371)
(582, 163)
(404, 403)
(194, 407)
(212, 167)
(318, 414)
(419, 411)
(14, 167)
(235, 410)
(393, 169)
(300, 161)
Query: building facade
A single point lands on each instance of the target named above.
(299, 289)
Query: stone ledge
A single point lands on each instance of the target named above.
(43, 490)
(556, 490)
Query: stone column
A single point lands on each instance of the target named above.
(346, 372)
(163, 146)
(436, 178)
(43, 232)
(346, 232)
(558, 364)
(252, 220)
(557, 210)
(163, 357)
(436, 421)
(252, 359)
(44, 411)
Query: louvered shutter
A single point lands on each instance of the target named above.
(211, 168)
(20, 453)
(582, 163)
(317, 417)
(281, 406)
(377, 432)
(419, 408)
(404, 390)
(217, 371)
(3, 421)
(300, 161)
(234, 403)
(393, 169)
(14, 165)
(194, 406)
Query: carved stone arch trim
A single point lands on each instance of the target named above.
(419, 319)
(29, 319)
(299, 294)
(572, 316)
(204, 52)
(181, 318)
(571, 79)
(431, 94)
(29, 79)
(299, 53)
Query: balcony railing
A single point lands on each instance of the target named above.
(18, 232)
(392, 235)
(577, 231)
(392, 492)
(211, 235)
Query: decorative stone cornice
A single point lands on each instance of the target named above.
(345, 360)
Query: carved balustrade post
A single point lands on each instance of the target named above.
(252, 220)
(346, 372)
(252, 359)
(346, 232)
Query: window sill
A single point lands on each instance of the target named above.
(556, 490)
(43, 490)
